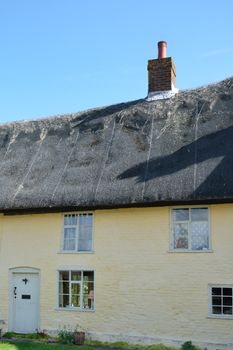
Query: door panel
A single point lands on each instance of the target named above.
(25, 294)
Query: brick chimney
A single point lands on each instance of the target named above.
(161, 75)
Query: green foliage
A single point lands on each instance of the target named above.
(119, 344)
(32, 336)
(188, 345)
(159, 347)
(31, 346)
(94, 343)
(66, 337)
(125, 345)
(8, 335)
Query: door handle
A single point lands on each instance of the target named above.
(15, 292)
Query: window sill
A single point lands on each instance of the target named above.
(190, 251)
(221, 317)
(75, 252)
(73, 309)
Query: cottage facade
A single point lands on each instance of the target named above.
(119, 219)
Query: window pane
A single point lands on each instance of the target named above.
(88, 303)
(217, 310)
(199, 235)
(82, 219)
(76, 275)
(88, 287)
(75, 288)
(84, 245)
(89, 219)
(227, 301)
(70, 219)
(88, 276)
(85, 219)
(216, 291)
(85, 301)
(64, 288)
(180, 214)
(227, 310)
(69, 244)
(227, 291)
(88, 291)
(63, 300)
(216, 300)
(199, 214)
(85, 232)
(75, 302)
(69, 238)
(181, 236)
(69, 233)
(64, 275)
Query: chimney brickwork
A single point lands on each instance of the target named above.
(161, 72)
(161, 75)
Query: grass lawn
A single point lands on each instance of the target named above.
(29, 346)
(97, 346)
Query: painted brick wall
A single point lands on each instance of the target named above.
(143, 292)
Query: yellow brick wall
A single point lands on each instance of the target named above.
(142, 289)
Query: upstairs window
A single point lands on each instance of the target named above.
(190, 229)
(77, 235)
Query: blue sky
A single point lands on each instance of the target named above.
(61, 56)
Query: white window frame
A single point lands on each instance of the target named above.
(75, 269)
(75, 251)
(189, 250)
(210, 314)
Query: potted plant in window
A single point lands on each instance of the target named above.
(79, 335)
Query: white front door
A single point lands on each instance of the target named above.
(25, 303)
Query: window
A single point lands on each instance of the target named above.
(221, 298)
(190, 229)
(77, 234)
(76, 289)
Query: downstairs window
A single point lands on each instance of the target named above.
(221, 301)
(76, 289)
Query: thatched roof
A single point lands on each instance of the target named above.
(138, 153)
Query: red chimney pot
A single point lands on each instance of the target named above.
(162, 49)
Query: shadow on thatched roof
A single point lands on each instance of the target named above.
(138, 153)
